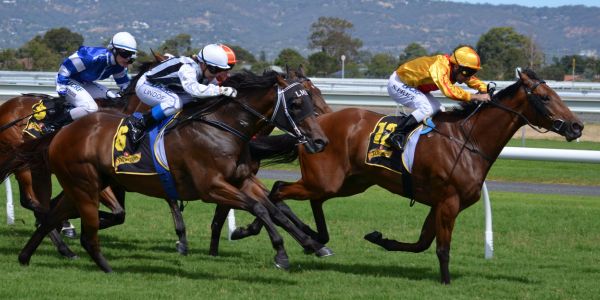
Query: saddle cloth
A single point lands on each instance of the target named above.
(43, 113)
(149, 158)
(381, 154)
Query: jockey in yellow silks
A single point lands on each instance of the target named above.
(411, 84)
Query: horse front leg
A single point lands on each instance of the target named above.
(446, 214)
(181, 244)
(216, 226)
(63, 210)
(424, 242)
(309, 244)
(114, 199)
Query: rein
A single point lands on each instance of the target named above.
(279, 103)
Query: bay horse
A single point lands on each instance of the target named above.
(449, 167)
(14, 114)
(208, 158)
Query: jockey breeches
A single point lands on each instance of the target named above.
(82, 95)
(154, 94)
(424, 105)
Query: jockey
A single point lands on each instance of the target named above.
(231, 61)
(177, 81)
(77, 73)
(411, 84)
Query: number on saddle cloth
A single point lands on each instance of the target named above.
(47, 115)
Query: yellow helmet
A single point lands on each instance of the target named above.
(466, 56)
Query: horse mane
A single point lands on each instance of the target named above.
(466, 108)
(249, 80)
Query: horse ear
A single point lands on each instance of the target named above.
(518, 72)
(300, 71)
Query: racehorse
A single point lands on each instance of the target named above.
(449, 167)
(15, 113)
(208, 158)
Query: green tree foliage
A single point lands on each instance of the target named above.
(330, 35)
(320, 64)
(412, 51)
(260, 66)
(242, 55)
(62, 40)
(37, 56)
(9, 60)
(289, 57)
(502, 49)
(181, 44)
(381, 65)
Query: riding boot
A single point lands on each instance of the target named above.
(58, 122)
(398, 137)
(137, 127)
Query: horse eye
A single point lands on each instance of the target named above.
(545, 98)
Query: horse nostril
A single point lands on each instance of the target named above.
(577, 127)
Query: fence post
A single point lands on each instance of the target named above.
(230, 223)
(489, 235)
(10, 210)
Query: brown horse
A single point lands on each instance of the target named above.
(15, 113)
(208, 159)
(449, 167)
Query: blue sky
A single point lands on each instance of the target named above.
(537, 3)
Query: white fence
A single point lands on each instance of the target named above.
(579, 96)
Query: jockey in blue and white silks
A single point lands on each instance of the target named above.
(77, 74)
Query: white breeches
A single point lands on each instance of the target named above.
(169, 101)
(424, 105)
(82, 95)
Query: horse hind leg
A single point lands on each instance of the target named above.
(424, 242)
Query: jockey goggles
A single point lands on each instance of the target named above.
(467, 72)
(215, 70)
(126, 54)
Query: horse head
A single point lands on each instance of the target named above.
(319, 103)
(296, 114)
(546, 108)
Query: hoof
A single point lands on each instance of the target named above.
(324, 252)
(69, 232)
(181, 248)
(374, 237)
(71, 255)
(24, 259)
(238, 234)
(282, 263)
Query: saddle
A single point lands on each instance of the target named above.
(47, 116)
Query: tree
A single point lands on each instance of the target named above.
(412, 51)
(62, 40)
(381, 65)
(320, 64)
(501, 50)
(181, 44)
(9, 61)
(38, 56)
(242, 55)
(289, 57)
(330, 35)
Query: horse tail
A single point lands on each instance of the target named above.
(274, 149)
(31, 154)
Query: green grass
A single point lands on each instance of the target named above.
(545, 248)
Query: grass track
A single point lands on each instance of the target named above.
(544, 250)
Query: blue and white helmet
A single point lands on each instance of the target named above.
(214, 55)
(123, 41)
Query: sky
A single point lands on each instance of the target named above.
(537, 3)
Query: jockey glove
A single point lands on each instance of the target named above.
(228, 91)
